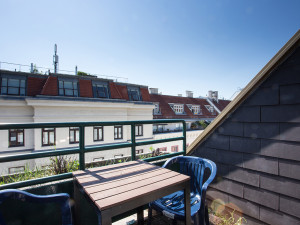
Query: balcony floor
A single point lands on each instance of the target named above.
(157, 220)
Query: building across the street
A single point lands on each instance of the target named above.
(192, 110)
(35, 98)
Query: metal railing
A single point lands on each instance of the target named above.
(82, 149)
(46, 70)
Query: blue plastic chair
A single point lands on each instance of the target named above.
(62, 199)
(172, 205)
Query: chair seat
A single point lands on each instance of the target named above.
(174, 204)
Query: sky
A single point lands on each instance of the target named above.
(172, 45)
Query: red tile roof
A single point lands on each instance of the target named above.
(221, 104)
(168, 113)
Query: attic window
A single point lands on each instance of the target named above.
(177, 108)
(156, 110)
(195, 109)
(100, 89)
(134, 94)
(13, 85)
(68, 87)
(211, 109)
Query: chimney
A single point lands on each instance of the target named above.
(189, 94)
(179, 95)
(153, 91)
(213, 95)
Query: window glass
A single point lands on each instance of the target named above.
(68, 84)
(48, 136)
(68, 88)
(134, 94)
(13, 83)
(68, 92)
(22, 84)
(100, 89)
(13, 86)
(51, 138)
(4, 81)
(4, 90)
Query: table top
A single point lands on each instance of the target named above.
(129, 184)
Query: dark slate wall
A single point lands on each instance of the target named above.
(257, 151)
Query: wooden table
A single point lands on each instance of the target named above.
(118, 188)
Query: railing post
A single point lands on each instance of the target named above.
(184, 137)
(81, 147)
(133, 157)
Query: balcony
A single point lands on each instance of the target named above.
(50, 183)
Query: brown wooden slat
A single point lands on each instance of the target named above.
(134, 194)
(132, 186)
(110, 168)
(89, 173)
(123, 181)
(94, 179)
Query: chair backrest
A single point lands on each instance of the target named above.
(195, 168)
(18, 196)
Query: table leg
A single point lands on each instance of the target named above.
(140, 215)
(105, 217)
(187, 204)
(77, 203)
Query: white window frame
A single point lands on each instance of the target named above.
(156, 110)
(177, 108)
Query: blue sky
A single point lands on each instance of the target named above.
(173, 45)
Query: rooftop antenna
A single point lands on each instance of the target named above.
(55, 59)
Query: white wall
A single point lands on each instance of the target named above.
(190, 137)
(45, 110)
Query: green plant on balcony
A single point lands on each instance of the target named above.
(63, 164)
(202, 124)
(27, 174)
(228, 219)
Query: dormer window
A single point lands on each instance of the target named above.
(177, 108)
(13, 85)
(156, 110)
(100, 89)
(134, 94)
(195, 109)
(68, 87)
(211, 109)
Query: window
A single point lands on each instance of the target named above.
(100, 89)
(139, 130)
(174, 148)
(158, 128)
(68, 88)
(179, 127)
(156, 110)
(98, 133)
(16, 137)
(74, 135)
(134, 94)
(139, 151)
(195, 109)
(17, 169)
(13, 86)
(177, 108)
(48, 136)
(163, 149)
(118, 130)
(211, 109)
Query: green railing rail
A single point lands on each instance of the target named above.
(82, 149)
